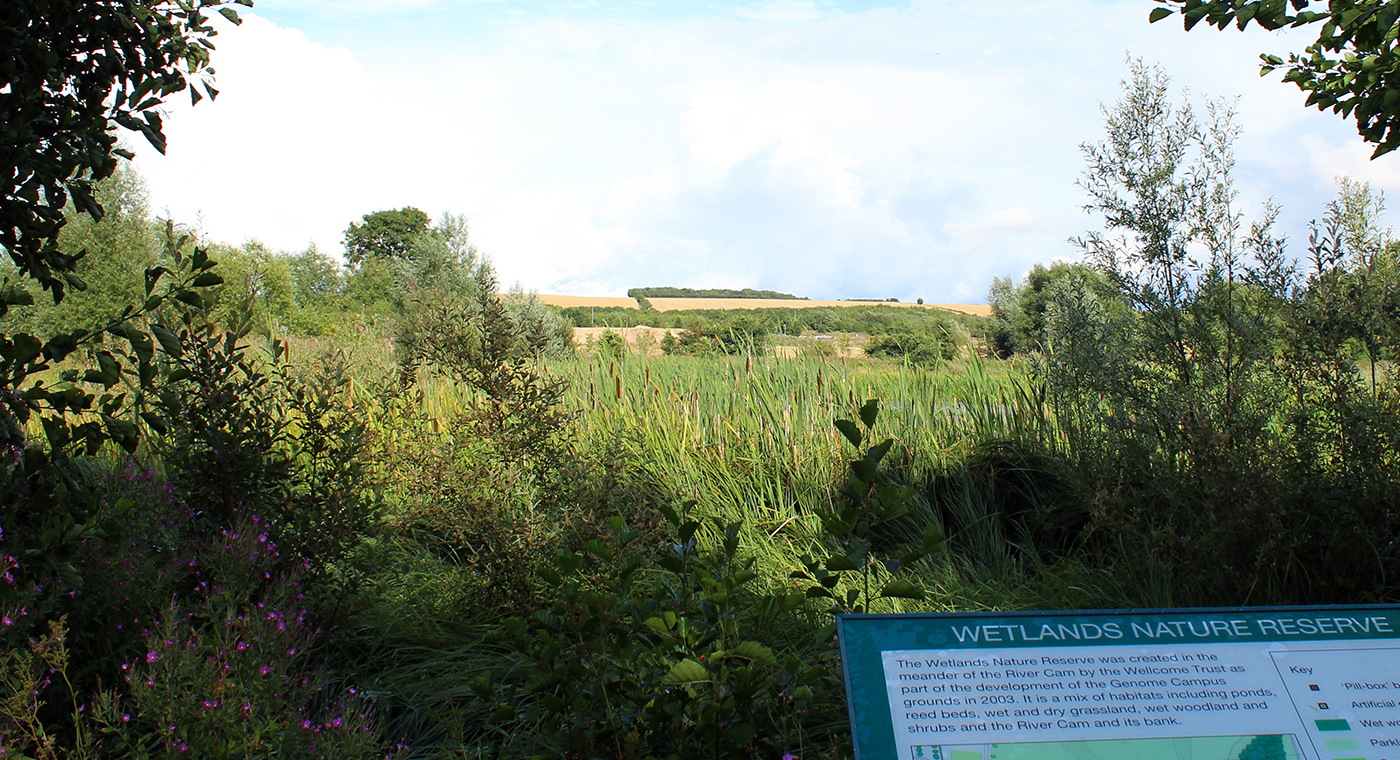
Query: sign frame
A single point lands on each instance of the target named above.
(863, 637)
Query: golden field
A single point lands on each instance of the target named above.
(684, 304)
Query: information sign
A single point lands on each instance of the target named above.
(1299, 683)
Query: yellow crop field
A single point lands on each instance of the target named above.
(681, 304)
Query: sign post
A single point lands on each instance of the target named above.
(1300, 683)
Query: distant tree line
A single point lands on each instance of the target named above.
(402, 268)
(711, 293)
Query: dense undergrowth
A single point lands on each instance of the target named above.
(422, 527)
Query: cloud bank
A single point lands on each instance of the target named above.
(828, 149)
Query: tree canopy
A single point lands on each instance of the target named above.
(385, 234)
(68, 72)
(1352, 69)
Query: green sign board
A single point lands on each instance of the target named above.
(1297, 683)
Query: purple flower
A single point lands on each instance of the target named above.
(265, 669)
(337, 722)
(152, 656)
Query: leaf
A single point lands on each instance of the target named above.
(231, 15)
(568, 562)
(111, 371)
(169, 341)
(549, 576)
(877, 453)
(1158, 14)
(849, 430)
(155, 422)
(598, 549)
(839, 562)
(933, 539)
(869, 411)
(752, 650)
(207, 279)
(901, 589)
(686, 671)
(190, 297)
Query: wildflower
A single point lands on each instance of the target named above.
(337, 722)
(789, 756)
(265, 669)
(126, 717)
(242, 645)
(152, 656)
(306, 724)
(6, 620)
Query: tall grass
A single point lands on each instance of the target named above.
(751, 439)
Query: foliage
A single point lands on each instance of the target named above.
(1351, 69)
(1220, 416)
(115, 254)
(629, 664)
(69, 72)
(737, 334)
(871, 320)
(225, 677)
(611, 345)
(477, 341)
(856, 528)
(1018, 311)
(928, 349)
(641, 293)
(257, 291)
(387, 235)
(45, 503)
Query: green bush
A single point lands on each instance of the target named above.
(928, 349)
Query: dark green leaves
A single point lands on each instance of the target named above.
(900, 588)
(868, 412)
(1349, 69)
(686, 671)
(850, 430)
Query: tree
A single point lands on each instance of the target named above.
(318, 277)
(1018, 311)
(1352, 69)
(385, 234)
(69, 71)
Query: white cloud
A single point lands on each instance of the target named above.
(786, 11)
(909, 151)
(1015, 219)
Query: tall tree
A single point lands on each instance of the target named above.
(1352, 69)
(385, 234)
(69, 71)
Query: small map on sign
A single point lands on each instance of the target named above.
(1269, 747)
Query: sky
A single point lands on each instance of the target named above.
(826, 148)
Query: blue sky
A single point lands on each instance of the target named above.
(831, 149)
